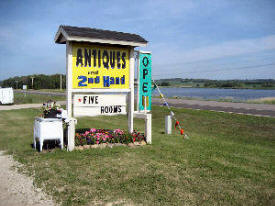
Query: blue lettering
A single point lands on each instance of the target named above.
(117, 80)
(106, 81)
(122, 80)
(82, 81)
(97, 80)
(112, 80)
(90, 80)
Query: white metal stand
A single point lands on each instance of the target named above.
(47, 129)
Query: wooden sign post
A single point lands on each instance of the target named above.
(144, 81)
(144, 92)
(100, 73)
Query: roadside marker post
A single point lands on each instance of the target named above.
(171, 112)
(168, 124)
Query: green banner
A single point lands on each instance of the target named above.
(145, 81)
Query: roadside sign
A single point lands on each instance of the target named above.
(103, 67)
(99, 104)
(99, 63)
(145, 79)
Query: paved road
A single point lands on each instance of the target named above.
(25, 106)
(240, 108)
(40, 92)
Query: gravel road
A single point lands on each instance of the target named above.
(17, 189)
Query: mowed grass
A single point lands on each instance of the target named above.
(20, 98)
(228, 160)
(266, 100)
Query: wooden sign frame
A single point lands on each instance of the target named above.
(84, 36)
(70, 91)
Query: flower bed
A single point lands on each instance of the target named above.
(100, 136)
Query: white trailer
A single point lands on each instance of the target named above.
(6, 96)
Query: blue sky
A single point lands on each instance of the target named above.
(212, 39)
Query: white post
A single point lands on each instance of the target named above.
(71, 134)
(138, 80)
(69, 78)
(71, 127)
(60, 83)
(131, 94)
(32, 81)
(148, 128)
(168, 124)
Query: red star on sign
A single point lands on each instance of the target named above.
(79, 100)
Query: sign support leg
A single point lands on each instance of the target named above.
(71, 134)
(148, 128)
(131, 94)
(71, 126)
(138, 80)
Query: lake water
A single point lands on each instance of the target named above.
(213, 93)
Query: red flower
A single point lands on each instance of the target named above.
(177, 123)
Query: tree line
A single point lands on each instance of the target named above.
(256, 83)
(40, 81)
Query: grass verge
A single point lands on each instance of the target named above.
(265, 100)
(228, 160)
(20, 98)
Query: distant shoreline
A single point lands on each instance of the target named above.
(268, 84)
(188, 87)
(264, 100)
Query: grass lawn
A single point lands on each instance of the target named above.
(20, 98)
(265, 100)
(53, 90)
(228, 160)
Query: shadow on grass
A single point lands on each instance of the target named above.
(48, 145)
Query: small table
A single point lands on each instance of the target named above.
(47, 129)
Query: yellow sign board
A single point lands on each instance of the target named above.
(95, 66)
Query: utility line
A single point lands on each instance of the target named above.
(215, 70)
(202, 62)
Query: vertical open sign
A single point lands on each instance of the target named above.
(145, 78)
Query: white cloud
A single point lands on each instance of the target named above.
(225, 49)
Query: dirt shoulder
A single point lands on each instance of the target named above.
(17, 189)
